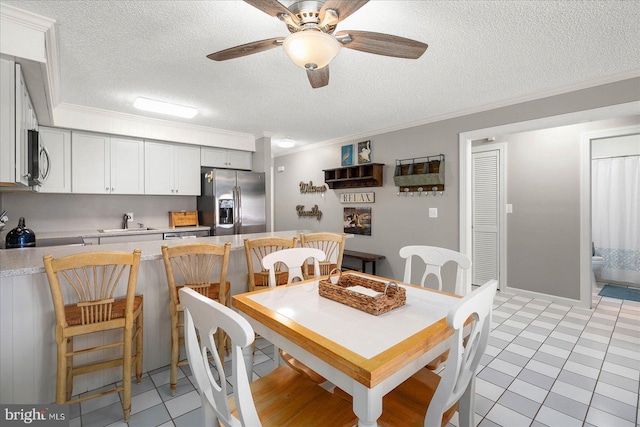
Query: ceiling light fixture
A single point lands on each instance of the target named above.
(311, 49)
(286, 143)
(164, 108)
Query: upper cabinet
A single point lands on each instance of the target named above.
(223, 158)
(57, 144)
(172, 169)
(17, 117)
(102, 164)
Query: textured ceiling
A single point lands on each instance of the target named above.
(480, 52)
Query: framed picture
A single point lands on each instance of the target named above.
(357, 221)
(364, 152)
(347, 155)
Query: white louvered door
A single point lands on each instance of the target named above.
(486, 216)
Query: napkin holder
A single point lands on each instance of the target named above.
(390, 294)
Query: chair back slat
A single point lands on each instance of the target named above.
(434, 259)
(94, 278)
(294, 259)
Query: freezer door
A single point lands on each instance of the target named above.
(252, 204)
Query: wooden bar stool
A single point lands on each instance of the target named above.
(331, 244)
(255, 250)
(92, 280)
(201, 267)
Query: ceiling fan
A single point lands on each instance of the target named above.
(312, 43)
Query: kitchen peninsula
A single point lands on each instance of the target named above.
(28, 349)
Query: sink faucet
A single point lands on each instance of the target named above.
(125, 221)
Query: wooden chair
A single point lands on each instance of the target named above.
(256, 249)
(201, 267)
(92, 280)
(283, 397)
(434, 258)
(294, 259)
(331, 244)
(429, 399)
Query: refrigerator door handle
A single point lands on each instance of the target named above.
(239, 192)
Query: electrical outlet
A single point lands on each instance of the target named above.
(433, 212)
(130, 215)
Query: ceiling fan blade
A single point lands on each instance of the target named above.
(318, 78)
(246, 49)
(343, 7)
(271, 7)
(383, 44)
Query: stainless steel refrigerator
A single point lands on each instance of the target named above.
(233, 202)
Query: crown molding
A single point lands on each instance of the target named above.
(25, 18)
(611, 78)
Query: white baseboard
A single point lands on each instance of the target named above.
(547, 297)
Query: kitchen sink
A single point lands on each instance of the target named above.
(121, 230)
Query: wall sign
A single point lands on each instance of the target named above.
(313, 212)
(308, 187)
(357, 197)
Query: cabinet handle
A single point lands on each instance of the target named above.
(113, 189)
(176, 190)
(106, 189)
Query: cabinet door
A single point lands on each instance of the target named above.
(7, 121)
(127, 166)
(23, 120)
(239, 159)
(187, 170)
(57, 143)
(90, 163)
(213, 157)
(158, 168)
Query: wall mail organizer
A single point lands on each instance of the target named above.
(367, 175)
(420, 175)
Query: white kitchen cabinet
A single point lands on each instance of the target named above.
(57, 143)
(101, 164)
(172, 169)
(223, 158)
(17, 117)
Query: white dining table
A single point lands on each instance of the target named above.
(367, 356)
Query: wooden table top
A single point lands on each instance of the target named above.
(365, 347)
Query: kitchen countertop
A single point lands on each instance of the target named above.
(16, 262)
(128, 232)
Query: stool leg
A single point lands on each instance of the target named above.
(126, 373)
(61, 375)
(139, 340)
(69, 369)
(175, 354)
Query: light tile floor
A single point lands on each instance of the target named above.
(546, 364)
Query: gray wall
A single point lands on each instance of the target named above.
(399, 221)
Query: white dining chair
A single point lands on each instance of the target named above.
(428, 399)
(283, 397)
(434, 258)
(295, 259)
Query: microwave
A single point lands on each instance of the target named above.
(38, 159)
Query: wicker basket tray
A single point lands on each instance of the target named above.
(392, 296)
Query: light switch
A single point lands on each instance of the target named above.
(280, 168)
(509, 208)
(433, 212)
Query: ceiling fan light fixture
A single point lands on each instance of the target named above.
(164, 108)
(311, 49)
